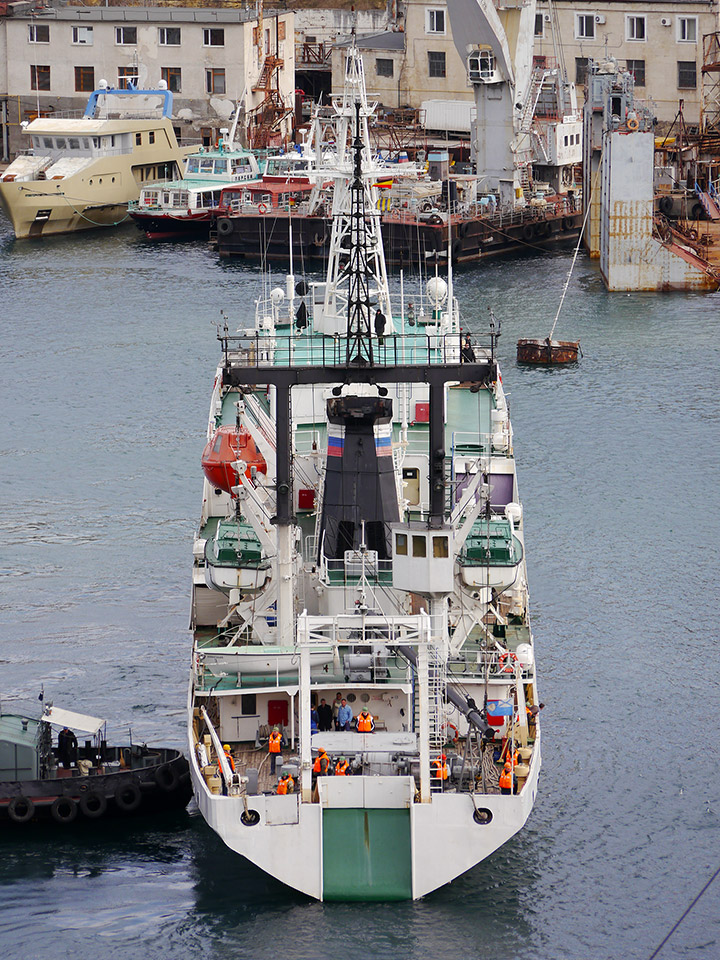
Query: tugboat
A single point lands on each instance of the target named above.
(386, 736)
(69, 782)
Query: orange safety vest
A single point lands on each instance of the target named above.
(286, 786)
(506, 780)
(341, 768)
(321, 764)
(365, 723)
(274, 744)
(440, 769)
(230, 761)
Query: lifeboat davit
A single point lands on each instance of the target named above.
(227, 445)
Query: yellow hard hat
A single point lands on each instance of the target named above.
(226, 747)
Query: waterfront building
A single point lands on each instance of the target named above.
(51, 60)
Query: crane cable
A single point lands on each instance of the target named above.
(658, 949)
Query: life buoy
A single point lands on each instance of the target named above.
(224, 228)
(262, 208)
(127, 797)
(64, 810)
(166, 777)
(93, 805)
(451, 728)
(21, 809)
(507, 662)
(632, 124)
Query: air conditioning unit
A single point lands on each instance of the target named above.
(599, 18)
(547, 18)
(666, 22)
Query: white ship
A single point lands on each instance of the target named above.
(82, 171)
(361, 537)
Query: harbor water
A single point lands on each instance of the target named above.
(106, 365)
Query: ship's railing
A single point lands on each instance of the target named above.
(255, 349)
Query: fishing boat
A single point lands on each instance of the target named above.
(387, 509)
(184, 207)
(82, 171)
(70, 782)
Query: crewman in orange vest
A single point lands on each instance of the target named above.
(286, 784)
(322, 761)
(506, 779)
(274, 748)
(365, 722)
(341, 767)
(228, 754)
(439, 768)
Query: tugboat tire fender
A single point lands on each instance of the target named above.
(64, 810)
(93, 805)
(568, 223)
(128, 797)
(527, 232)
(665, 205)
(224, 228)
(21, 809)
(166, 777)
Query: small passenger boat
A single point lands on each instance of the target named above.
(89, 781)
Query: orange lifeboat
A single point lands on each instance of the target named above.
(227, 445)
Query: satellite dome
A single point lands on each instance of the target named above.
(436, 290)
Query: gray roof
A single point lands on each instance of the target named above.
(391, 40)
(204, 15)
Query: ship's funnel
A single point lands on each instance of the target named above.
(360, 492)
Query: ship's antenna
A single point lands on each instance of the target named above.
(359, 331)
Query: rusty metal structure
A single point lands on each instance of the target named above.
(710, 107)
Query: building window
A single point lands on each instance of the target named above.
(213, 37)
(281, 30)
(435, 21)
(126, 35)
(581, 70)
(635, 27)
(82, 35)
(383, 68)
(127, 75)
(151, 136)
(539, 25)
(637, 69)
(584, 26)
(687, 74)
(687, 29)
(248, 705)
(39, 33)
(84, 79)
(169, 36)
(215, 81)
(436, 63)
(40, 77)
(172, 77)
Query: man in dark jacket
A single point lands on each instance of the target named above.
(325, 716)
(67, 747)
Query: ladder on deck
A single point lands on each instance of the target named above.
(709, 201)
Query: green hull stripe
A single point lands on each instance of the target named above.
(367, 855)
